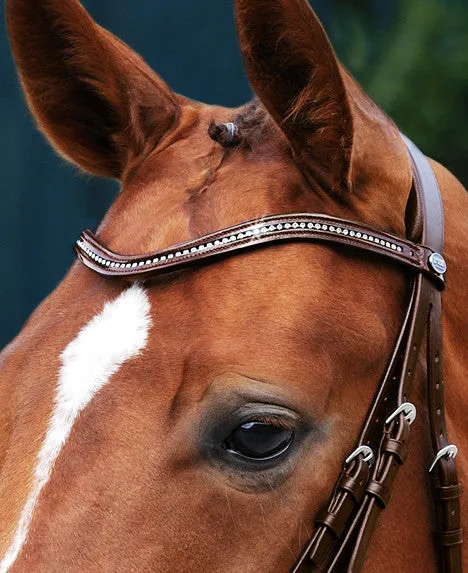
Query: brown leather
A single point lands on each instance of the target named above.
(352, 553)
(300, 226)
(446, 488)
(344, 526)
(449, 534)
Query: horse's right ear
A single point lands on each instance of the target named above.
(95, 99)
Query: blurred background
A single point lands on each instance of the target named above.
(410, 55)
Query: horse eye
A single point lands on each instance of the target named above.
(259, 440)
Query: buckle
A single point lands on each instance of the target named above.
(408, 409)
(365, 451)
(450, 451)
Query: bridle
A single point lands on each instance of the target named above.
(345, 524)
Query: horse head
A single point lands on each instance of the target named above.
(196, 421)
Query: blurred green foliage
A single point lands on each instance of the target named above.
(412, 58)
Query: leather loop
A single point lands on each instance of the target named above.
(396, 448)
(447, 493)
(334, 521)
(354, 487)
(380, 492)
(449, 538)
(343, 502)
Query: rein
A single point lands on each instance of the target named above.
(345, 524)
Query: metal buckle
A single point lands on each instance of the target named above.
(365, 451)
(451, 451)
(409, 411)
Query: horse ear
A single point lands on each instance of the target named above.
(293, 69)
(95, 99)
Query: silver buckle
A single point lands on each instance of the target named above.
(408, 409)
(450, 451)
(365, 451)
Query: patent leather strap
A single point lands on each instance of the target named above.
(345, 524)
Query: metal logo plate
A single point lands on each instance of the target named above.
(437, 263)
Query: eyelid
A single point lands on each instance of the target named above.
(268, 414)
(271, 420)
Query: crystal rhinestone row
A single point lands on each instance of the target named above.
(252, 232)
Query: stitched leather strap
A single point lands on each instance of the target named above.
(351, 554)
(445, 474)
(445, 486)
(425, 219)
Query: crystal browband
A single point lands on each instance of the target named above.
(274, 228)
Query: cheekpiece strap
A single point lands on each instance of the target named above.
(387, 434)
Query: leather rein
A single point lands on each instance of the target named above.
(345, 524)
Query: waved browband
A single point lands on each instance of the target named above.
(344, 526)
(271, 229)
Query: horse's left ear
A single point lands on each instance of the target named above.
(293, 69)
(95, 99)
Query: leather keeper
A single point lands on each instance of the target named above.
(332, 521)
(396, 448)
(352, 486)
(380, 492)
(447, 493)
(449, 538)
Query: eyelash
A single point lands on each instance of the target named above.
(272, 420)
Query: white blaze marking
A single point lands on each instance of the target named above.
(115, 335)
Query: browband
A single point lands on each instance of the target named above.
(271, 229)
(345, 524)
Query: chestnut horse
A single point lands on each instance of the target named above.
(197, 422)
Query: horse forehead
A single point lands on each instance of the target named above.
(190, 186)
(283, 301)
